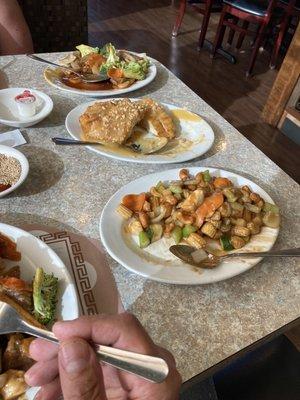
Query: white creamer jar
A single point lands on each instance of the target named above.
(26, 103)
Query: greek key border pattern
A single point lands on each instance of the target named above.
(79, 268)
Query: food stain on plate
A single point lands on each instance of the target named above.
(156, 253)
(186, 115)
(58, 77)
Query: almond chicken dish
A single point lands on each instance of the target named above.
(36, 302)
(198, 210)
(123, 122)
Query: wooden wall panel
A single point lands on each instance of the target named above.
(284, 84)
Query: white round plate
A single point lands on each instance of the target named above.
(54, 80)
(156, 262)
(11, 152)
(9, 114)
(191, 127)
(36, 253)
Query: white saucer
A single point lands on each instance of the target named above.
(9, 114)
(11, 152)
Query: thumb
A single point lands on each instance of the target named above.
(80, 373)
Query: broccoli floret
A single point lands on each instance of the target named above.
(111, 54)
(104, 68)
(109, 51)
(44, 296)
(112, 59)
(134, 70)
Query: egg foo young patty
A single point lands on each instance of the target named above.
(111, 121)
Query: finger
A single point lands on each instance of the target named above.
(166, 355)
(123, 331)
(51, 391)
(42, 373)
(80, 373)
(42, 350)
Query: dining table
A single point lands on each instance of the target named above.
(68, 186)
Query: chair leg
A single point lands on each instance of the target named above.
(258, 41)
(282, 30)
(181, 11)
(232, 31)
(205, 22)
(255, 36)
(220, 33)
(242, 35)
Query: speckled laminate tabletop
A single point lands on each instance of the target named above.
(68, 186)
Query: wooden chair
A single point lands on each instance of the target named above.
(291, 9)
(204, 7)
(56, 25)
(250, 11)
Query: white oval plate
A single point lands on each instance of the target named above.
(9, 111)
(197, 131)
(53, 79)
(11, 152)
(36, 253)
(156, 262)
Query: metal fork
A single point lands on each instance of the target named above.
(91, 78)
(151, 368)
(68, 142)
(185, 254)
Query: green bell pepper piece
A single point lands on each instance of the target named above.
(144, 239)
(177, 234)
(176, 189)
(225, 243)
(187, 230)
(271, 207)
(206, 176)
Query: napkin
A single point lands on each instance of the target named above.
(12, 138)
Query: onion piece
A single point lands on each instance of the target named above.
(160, 216)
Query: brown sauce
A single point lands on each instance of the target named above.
(79, 84)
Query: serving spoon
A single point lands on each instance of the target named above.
(185, 253)
(89, 78)
(151, 368)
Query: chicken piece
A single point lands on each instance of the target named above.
(69, 59)
(10, 272)
(27, 316)
(127, 56)
(12, 384)
(16, 354)
(8, 249)
(18, 290)
(2, 266)
(157, 119)
(193, 200)
(92, 63)
(111, 121)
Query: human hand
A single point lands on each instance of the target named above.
(81, 377)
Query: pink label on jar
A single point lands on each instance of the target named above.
(25, 97)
